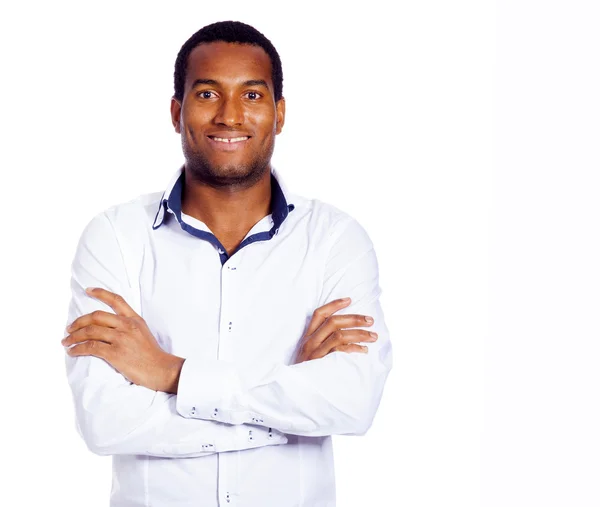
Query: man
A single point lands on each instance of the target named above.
(210, 350)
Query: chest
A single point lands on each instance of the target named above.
(254, 307)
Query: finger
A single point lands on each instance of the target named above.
(335, 322)
(351, 347)
(91, 348)
(343, 337)
(115, 301)
(94, 333)
(325, 311)
(97, 317)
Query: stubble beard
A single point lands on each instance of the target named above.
(241, 175)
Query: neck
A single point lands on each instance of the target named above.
(229, 211)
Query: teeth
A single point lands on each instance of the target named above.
(234, 140)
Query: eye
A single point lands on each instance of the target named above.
(252, 95)
(204, 94)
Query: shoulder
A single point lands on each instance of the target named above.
(130, 219)
(329, 221)
(135, 212)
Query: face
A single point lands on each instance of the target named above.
(228, 118)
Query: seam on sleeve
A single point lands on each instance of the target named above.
(131, 273)
(117, 239)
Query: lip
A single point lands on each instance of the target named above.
(229, 147)
(228, 134)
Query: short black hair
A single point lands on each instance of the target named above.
(227, 31)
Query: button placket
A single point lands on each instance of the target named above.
(228, 462)
(229, 270)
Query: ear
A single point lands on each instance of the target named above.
(176, 114)
(280, 114)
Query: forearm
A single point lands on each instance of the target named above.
(337, 394)
(116, 417)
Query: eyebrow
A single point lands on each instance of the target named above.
(251, 82)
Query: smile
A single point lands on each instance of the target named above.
(232, 140)
(231, 144)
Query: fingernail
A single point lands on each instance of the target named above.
(345, 300)
(369, 320)
(373, 335)
(89, 289)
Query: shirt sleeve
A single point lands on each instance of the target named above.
(115, 416)
(336, 394)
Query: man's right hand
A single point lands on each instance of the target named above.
(328, 333)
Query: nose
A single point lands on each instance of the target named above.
(230, 112)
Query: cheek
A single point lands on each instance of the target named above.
(194, 117)
(267, 125)
(191, 125)
(190, 133)
(262, 116)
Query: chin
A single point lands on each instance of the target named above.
(236, 172)
(231, 170)
(226, 175)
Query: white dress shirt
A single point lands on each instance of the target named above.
(247, 428)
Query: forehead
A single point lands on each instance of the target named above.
(228, 63)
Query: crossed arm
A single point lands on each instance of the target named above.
(334, 393)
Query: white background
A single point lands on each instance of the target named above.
(462, 135)
(541, 439)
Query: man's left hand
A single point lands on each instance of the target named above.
(124, 341)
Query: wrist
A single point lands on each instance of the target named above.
(171, 373)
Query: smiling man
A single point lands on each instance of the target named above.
(222, 330)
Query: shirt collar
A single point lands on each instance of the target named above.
(171, 199)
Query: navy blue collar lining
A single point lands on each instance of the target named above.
(279, 206)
